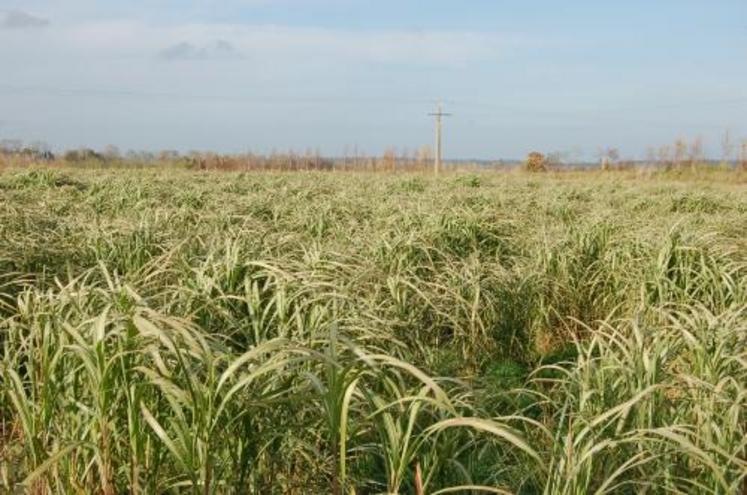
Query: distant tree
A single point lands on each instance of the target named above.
(390, 159)
(111, 153)
(727, 147)
(696, 155)
(71, 156)
(651, 155)
(356, 156)
(609, 157)
(9, 146)
(81, 155)
(168, 155)
(743, 156)
(555, 159)
(680, 153)
(664, 156)
(424, 156)
(39, 146)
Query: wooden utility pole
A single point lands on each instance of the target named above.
(439, 115)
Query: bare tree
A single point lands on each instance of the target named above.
(680, 152)
(696, 152)
(664, 156)
(727, 147)
(555, 159)
(111, 152)
(424, 157)
(743, 156)
(39, 146)
(609, 157)
(10, 145)
(390, 158)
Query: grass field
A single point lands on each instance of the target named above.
(181, 332)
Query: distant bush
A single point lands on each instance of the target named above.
(536, 162)
(469, 181)
(82, 155)
(414, 184)
(15, 152)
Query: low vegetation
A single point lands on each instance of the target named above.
(185, 332)
(536, 162)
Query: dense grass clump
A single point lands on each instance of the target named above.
(180, 332)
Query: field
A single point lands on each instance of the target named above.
(184, 332)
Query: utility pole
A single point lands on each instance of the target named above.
(439, 115)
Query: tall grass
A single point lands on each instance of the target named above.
(171, 332)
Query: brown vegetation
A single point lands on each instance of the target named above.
(536, 162)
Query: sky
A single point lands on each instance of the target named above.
(568, 76)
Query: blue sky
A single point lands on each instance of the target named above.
(263, 75)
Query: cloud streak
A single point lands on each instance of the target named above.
(219, 49)
(17, 19)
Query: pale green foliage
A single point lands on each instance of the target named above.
(175, 332)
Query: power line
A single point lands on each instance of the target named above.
(639, 106)
(114, 92)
